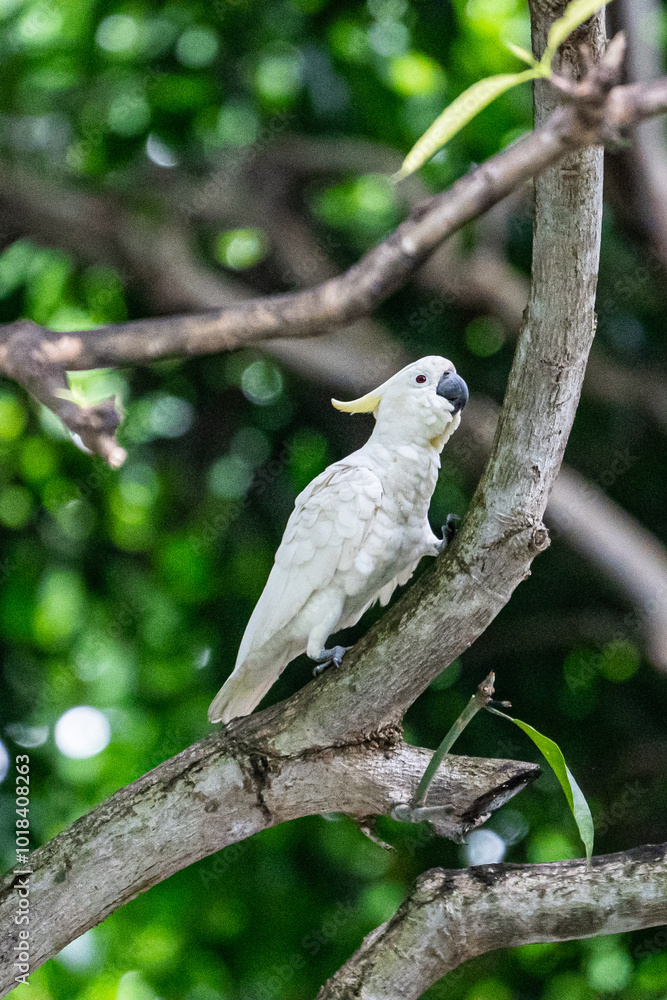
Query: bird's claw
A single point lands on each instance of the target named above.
(449, 530)
(329, 657)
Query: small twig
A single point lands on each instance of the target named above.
(479, 700)
(40, 365)
(416, 810)
(591, 92)
(368, 826)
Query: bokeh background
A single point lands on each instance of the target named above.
(155, 157)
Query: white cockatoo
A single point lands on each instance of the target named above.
(356, 532)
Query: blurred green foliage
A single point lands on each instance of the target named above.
(128, 591)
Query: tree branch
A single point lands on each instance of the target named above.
(356, 293)
(158, 258)
(40, 366)
(216, 793)
(451, 916)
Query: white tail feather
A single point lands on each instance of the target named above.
(246, 686)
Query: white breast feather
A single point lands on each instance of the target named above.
(324, 534)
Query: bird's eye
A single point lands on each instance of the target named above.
(420, 379)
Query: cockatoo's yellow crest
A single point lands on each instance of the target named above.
(365, 404)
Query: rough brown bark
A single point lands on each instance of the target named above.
(216, 793)
(451, 916)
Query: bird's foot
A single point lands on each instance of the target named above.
(449, 530)
(329, 657)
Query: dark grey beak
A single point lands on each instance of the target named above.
(452, 387)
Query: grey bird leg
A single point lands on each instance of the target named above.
(327, 657)
(449, 530)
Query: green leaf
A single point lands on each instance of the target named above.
(522, 54)
(475, 98)
(459, 113)
(575, 14)
(88, 388)
(573, 794)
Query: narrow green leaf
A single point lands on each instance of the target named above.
(522, 54)
(575, 14)
(475, 98)
(458, 114)
(573, 794)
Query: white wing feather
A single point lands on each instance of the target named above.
(331, 519)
